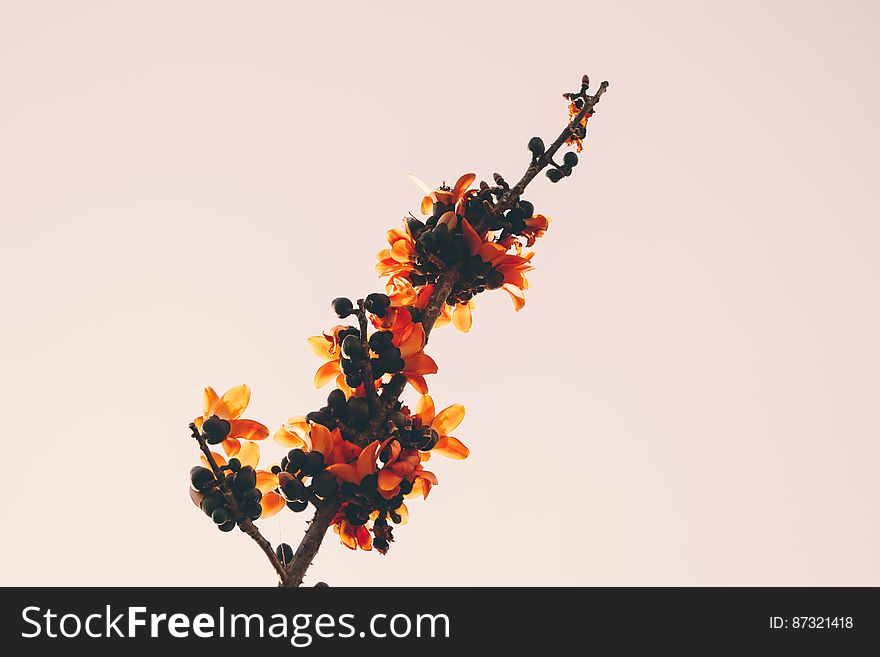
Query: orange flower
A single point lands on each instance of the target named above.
(230, 407)
(410, 339)
(400, 257)
(445, 195)
(443, 423)
(352, 536)
(327, 347)
(573, 111)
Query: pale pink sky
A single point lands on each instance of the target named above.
(689, 397)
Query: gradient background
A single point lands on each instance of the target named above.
(688, 398)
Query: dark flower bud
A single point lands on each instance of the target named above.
(536, 146)
(377, 303)
(211, 502)
(215, 430)
(353, 380)
(406, 487)
(555, 175)
(201, 478)
(319, 418)
(219, 515)
(324, 484)
(227, 526)
(298, 505)
(428, 241)
(570, 159)
(322, 585)
(295, 459)
(253, 510)
(358, 409)
(342, 307)
(381, 340)
(284, 553)
(244, 479)
(377, 368)
(336, 401)
(528, 208)
(234, 464)
(494, 279)
(414, 226)
(356, 515)
(313, 463)
(294, 489)
(352, 347)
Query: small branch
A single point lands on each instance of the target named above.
(391, 392)
(310, 544)
(245, 524)
(510, 197)
(366, 367)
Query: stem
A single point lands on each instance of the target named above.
(310, 544)
(244, 523)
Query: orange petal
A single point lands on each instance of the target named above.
(321, 439)
(248, 430)
(425, 409)
(519, 299)
(364, 538)
(471, 238)
(420, 363)
(231, 446)
(366, 463)
(452, 448)
(462, 318)
(320, 346)
(326, 373)
(288, 438)
(272, 503)
(413, 342)
(388, 479)
(345, 472)
(427, 205)
(418, 382)
(233, 402)
(249, 454)
(462, 184)
(403, 512)
(448, 419)
(346, 536)
(209, 402)
(266, 481)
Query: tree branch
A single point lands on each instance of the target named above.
(244, 523)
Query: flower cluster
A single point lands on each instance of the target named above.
(359, 456)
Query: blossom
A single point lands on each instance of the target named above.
(443, 423)
(573, 110)
(230, 407)
(327, 347)
(445, 195)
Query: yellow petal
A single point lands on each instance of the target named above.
(209, 402)
(419, 364)
(451, 447)
(413, 342)
(218, 459)
(326, 373)
(425, 409)
(345, 472)
(519, 299)
(233, 402)
(272, 503)
(448, 419)
(427, 205)
(418, 382)
(266, 481)
(462, 184)
(249, 454)
(320, 346)
(461, 317)
(248, 430)
(403, 512)
(231, 446)
(321, 440)
(288, 438)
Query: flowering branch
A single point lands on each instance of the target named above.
(357, 458)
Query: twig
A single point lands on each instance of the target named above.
(245, 523)
(510, 196)
(366, 366)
